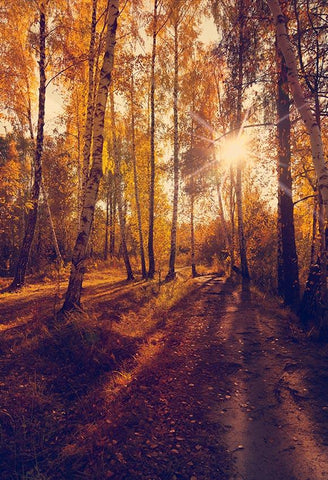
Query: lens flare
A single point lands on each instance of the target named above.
(234, 150)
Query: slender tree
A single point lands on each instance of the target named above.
(171, 273)
(135, 177)
(151, 257)
(32, 215)
(317, 150)
(118, 188)
(288, 282)
(90, 101)
(73, 294)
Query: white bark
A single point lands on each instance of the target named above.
(73, 294)
(300, 100)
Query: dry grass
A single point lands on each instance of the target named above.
(59, 375)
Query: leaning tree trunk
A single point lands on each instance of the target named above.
(32, 215)
(316, 149)
(171, 272)
(136, 186)
(288, 282)
(73, 294)
(118, 189)
(151, 257)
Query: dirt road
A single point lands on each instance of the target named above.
(232, 395)
(229, 391)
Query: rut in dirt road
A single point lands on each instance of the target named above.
(226, 398)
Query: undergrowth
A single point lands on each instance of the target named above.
(57, 372)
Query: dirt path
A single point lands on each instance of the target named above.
(232, 395)
(221, 389)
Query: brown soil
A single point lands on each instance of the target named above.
(221, 386)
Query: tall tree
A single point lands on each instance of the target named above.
(32, 215)
(90, 100)
(317, 150)
(151, 257)
(179, 12)
(118, 188)
(73, 294)
(288, 282)
(171, 273)
(240, 85)
(135, 176)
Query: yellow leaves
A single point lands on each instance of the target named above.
(29, 205)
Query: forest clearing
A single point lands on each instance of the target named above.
(163, 240)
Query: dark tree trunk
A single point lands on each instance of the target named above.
(192, 237)
(239, 198)
(32, 215)
(136, 187)
(288, 282)
(108, 193)
(151, 257)
(118, 190)
(112, 222)
(90, 101)
(171, 272)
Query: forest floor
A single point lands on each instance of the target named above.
(198, 381)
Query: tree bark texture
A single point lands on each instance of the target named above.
(73, 294)
(136, 186)
(192, 236)
(90, 101)
(118, 189)
(288, 282)
(32, 214)
(108, 192)
(52, 226)
(316, 149)
(239, 198)
(151, 257)
(171, 272)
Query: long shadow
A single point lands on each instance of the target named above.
(161, 426)
(53, 374)
(263, 455)
(310, 391)
(158, 426)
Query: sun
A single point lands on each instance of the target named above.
(234, 150)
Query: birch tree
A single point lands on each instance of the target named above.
(73, 294)
(317, 150)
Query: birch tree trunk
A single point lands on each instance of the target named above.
(90, 102)
(151, 257)
(19, 278)
(316, 147)
(171, 272)
(73, 294)
(136, 186)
